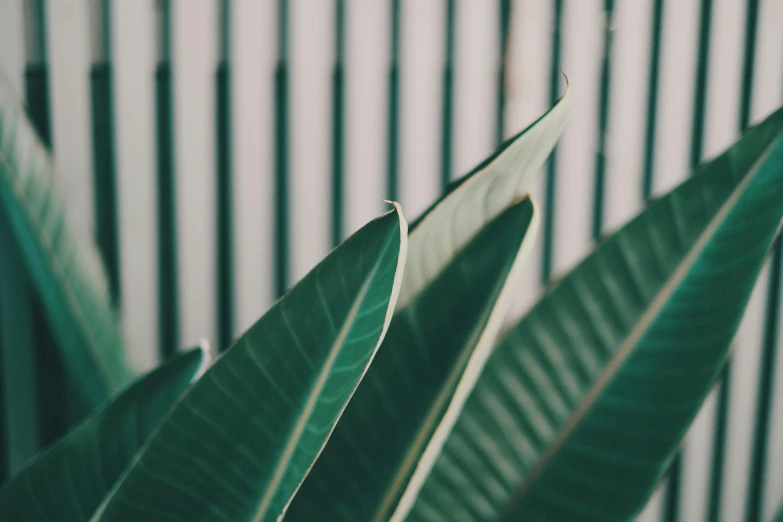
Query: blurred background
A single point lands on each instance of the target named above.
(218, 149)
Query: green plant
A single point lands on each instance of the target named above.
(375, 388)
(65, 268)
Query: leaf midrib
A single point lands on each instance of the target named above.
(654, 308)
(310, 404)
(315, 392)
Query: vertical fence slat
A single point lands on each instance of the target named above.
(447, 115)
(36, 77)
(224, 186)
(504, 24)
(393, 116)
(52, 405)
(548, 224)
(749, 64)
(393, 138)
(104, 171)
(338, 125)
(715, 491)
(758, 464)
(37, 70)
(652, 100)
(105, 188)
(603, 119)
(281, 153)
(168, 285)
(700, 90)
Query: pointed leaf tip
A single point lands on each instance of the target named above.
(477, 198)
(250, 428)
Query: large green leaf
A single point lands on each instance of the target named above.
(69, 481)
(241, 441)
(475, 199)
(415, 387)
(66, 269)
(583, 403)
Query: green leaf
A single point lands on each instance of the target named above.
(69, 481)
(414, 389)
(66, 269)
(779, 517)
(582, 405)
(475, 199)
(241, 441)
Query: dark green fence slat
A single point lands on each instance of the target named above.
(224, 31)
(168, 301)
(671, 506)
(700, 88)
(603, 121)
(104, 174)
(225, 207)
(168, 284)
(281, 179)
(504, 24)
(652, 100)
(338, 126)
(225, 243)
(103, 156)
(749, 64)
(281, 154)
(548, 224)
(393, 137)
(719, 446)
(758, 459)
(36, 77)
(447, 114)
